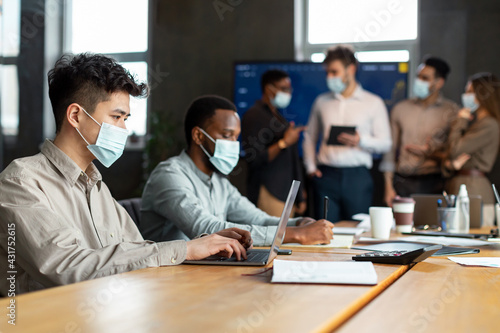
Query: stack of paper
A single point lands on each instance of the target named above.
(338, 241)
(339, 272)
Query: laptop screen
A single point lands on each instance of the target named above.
(285, 215)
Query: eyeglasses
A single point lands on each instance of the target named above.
(284, 89)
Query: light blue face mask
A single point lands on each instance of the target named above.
(469, 101)
(110, 142)
(336, 84)
(226, 154)
(281, 100)
(421, 89)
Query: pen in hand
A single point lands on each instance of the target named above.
(325, 207)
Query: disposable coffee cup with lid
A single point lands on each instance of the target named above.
(403, 209)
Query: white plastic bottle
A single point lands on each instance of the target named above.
(462, 217)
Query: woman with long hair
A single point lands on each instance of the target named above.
(474, 140)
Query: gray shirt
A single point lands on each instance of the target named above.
(61, 225)
(180, 202)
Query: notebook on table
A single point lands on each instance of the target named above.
(259, 257)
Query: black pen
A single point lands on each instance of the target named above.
(325, 207)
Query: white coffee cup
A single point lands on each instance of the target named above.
(381, 219)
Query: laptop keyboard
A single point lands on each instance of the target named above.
(257, 256)
(252, 256)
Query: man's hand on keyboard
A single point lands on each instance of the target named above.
(207, 246)
(242, 236)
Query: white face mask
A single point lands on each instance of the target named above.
(226, 154)
(110, 142)
(421, 89)
(281, 100)
(469, 101)
(336, 84)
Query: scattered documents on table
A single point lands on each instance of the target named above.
(445, 240)
(338, 242)
(389, 246)
(477, 261)
(331, 272)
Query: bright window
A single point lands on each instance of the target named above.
(9, 98)
(361, 21)
(372, 56)
(9, 27)
(10, 37)
(111, 26)
(118, 28)
(136, 123)
(377, 30)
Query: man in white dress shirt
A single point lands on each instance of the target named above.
(341, 171)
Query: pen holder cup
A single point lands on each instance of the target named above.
(497, 213)
(446, 217)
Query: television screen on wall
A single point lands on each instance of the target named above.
(389, 80)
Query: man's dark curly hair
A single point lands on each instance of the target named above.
(88, 79)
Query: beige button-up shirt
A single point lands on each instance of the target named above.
(413, 123)
(59, 225)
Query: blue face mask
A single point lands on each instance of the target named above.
(335, 84)
(421, 89)
(110, 142)
(469, 101)
(226, 154)
(281, 100)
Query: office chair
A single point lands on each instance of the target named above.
(133, 208)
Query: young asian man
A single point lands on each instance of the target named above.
(65, 224)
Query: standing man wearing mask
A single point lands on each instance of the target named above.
(341, 172)
(269, 142)
(189, 194)
(67, 226)
(419, 129)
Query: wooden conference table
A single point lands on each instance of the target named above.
(435, 295)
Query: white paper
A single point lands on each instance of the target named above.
(446, 241)
(338, 242)
(365, 221)
(333, 272)
(477, 261)
(347, 231)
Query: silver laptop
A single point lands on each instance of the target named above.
(426, 210)
(259, 257)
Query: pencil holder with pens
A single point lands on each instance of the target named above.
(446, 218)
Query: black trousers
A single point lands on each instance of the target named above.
(421, 184)
(349, 189)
